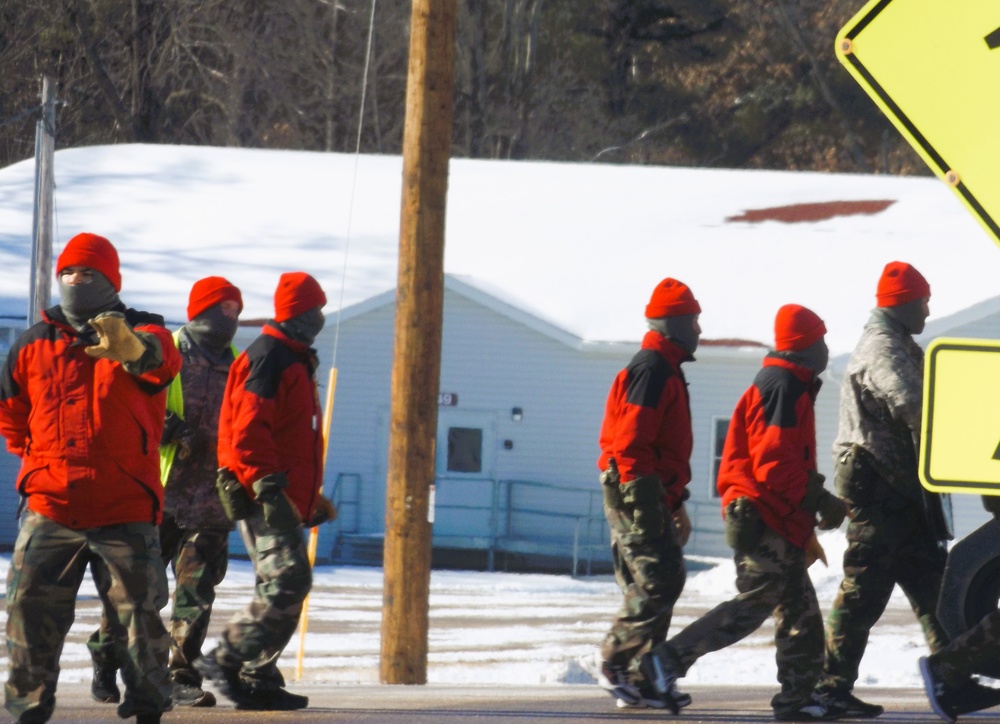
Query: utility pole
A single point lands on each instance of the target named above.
(416, 369)
(40, 284)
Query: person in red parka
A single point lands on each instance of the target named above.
(82, 403)
(646, 443)
(270, 441)
(771, 496)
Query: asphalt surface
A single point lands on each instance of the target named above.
(436, 704)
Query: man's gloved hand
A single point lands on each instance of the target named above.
(744, 526)
(177, 432)
(820, 501)
(682, 526)
(324, 512)
(832, 511)
(115, 339)
(279, 513)
(992, 504)
(644, 497)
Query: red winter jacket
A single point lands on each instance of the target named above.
(647, 419)
(270, 418)
(87, 431)
(771, 447)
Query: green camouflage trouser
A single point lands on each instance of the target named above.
(651, 575)
(46, 571)
(199, 559)
(257, 635)
(772, 580)
(975, 651)
(887, 543)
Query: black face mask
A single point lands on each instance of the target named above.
(305, 327)
(910, 315)
(681, 330)
(816, 356)
(212, 329)
(81, 302)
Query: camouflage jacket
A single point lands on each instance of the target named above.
(880, 401)
(190, 495)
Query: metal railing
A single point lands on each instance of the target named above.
(502, 516)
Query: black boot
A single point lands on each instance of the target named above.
(272, 700)
(104, 687)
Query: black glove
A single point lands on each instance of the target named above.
(992, 504)
(820, 501)
(644, 497)
(179, 433)
(279, 513)
(744, 526)
(234, 497)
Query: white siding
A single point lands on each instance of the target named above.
(494, 364)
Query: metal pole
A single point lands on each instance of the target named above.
(416, 367)
(40, 284)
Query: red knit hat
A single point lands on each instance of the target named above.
(900, 283)
(671, 298)
(94, 252)
(796, 328)
(297, 292)
(210, 291)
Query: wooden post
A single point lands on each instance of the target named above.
(416, 366)
(40, 284)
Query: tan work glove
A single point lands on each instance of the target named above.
(814, 551)
(324, 512)
(116, 340)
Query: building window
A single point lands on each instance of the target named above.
(465, 450)
(720, 426)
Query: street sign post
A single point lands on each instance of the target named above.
(933, 67)
(960, 446)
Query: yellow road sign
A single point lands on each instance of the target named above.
(960, 446)
(933, 67)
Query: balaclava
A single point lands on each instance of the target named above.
(207, 325)
(673, 312)
(298, 302)
(305, 327)
(81, 302)
(901, 293)
(911, 315)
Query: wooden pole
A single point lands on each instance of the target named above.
(416, 366)
(40, 284)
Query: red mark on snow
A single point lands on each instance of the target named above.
(820, 211)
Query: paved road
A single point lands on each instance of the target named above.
(435, 704)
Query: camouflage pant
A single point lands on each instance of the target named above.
(257, 635)
(46, 571)
(199, 559)
(887, 543)
(651, 575)
(772, 580)
(974, 652)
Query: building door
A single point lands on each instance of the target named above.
(465, 477)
